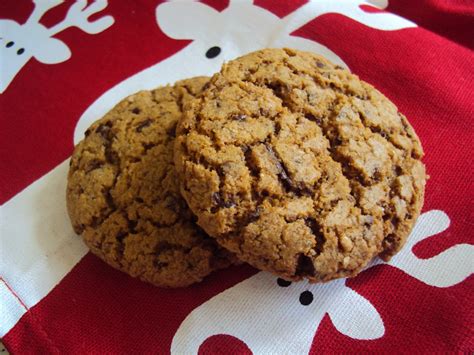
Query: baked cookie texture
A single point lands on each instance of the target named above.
(123, 196)
(299, 167)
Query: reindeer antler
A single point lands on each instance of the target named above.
(381, 4)
(78, 14)
(443, 270)
(350, 8)
(41, 7)
(239, 2)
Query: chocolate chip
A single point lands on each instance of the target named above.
(377, 176)
(389, 239)
(132, 225)
(143, 124)
(87, 132)
(250, 162)
(111, 156)
(121, 246)
(102, 129)
(255, 214)
(206, 86)
(148, 146)
(277, 128)
(228, 204)
(218, 201)
(280, 90)
(239, 117)
(395, 222)
(285, 179)
(172, 203)
(304, 266)
(360, 179)
(136, 110)
(120, 236)
(110, 201)
(282, 172)
(216, 198)
(313, 118)
(263, 111)
(283, 283)
(306, 298)
(245, 149)
(78, 228)
(312, 224)
(171, 132)
(95, 222)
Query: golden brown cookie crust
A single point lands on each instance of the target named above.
(123, 196)
(299, 167)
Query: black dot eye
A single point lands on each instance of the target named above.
(9, 44)
(213, 52)
(306, 298)
(20, 51)
(283, 283)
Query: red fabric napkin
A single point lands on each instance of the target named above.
(62, 65)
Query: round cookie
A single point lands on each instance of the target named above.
(123, 196)
(299, 167)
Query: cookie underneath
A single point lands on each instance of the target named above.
(123, 197)
(299, 167)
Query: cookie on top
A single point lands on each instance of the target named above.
(299, 167)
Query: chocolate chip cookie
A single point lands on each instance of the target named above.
(123, 196)
(299, 167)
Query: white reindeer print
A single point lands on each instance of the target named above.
(219, 36)
(274, 316)
(20, 43)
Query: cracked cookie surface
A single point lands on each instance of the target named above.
(299, 167)
(123, 196)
